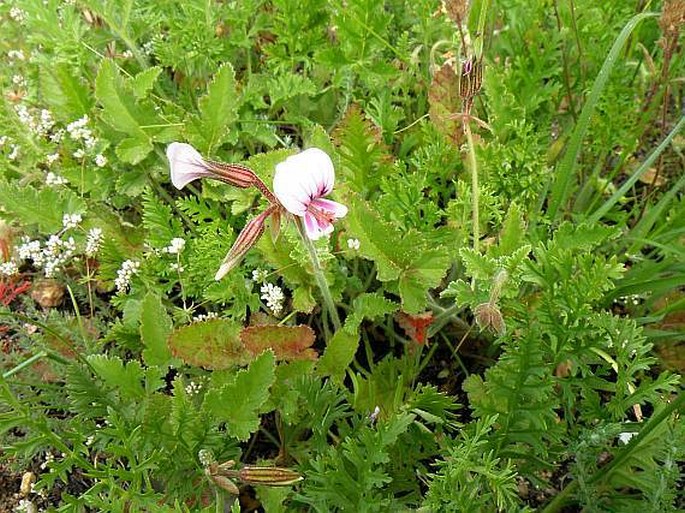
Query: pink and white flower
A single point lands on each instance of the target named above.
(300, 184)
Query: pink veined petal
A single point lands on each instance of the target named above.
(303, 177)
(316, 228)
(337, 209)
(186, 164)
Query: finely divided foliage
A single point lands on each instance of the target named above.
(438, 265)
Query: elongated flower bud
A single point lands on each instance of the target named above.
(270, 476)
(246, 239)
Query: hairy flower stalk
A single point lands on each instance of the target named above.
(300, 184)
(469, 85)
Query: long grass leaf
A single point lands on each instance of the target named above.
(615, 197)
(561, 188)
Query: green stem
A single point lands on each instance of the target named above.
(219, 502)
(473, 164)
(319, 276)
(565, 496)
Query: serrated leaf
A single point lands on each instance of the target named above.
(405, 256)
(372, 306)
(127, 380)
(213, 344)
(133, 150)
(144, 81)
(378, 240)
(119, 108)
(44, 208)
(287, 342)
(364, 160)
(218, 110)
(64, 92)
(425, 272)
(155, 327)
(339, 354)
(239, 403)
(512, 234)
(478, 266)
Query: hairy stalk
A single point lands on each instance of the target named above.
(473, 165)
(319, 276)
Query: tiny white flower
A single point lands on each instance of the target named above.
(79, 154)
(193, 388)
(14, 154)
(353, 244)
(52, 158)
(626, 437)
(70, 221)
(205, 317)
(57, 136)
(19, 80)
(259, 275)
(100, 160)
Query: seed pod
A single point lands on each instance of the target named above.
(270, 476)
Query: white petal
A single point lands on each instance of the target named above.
(186, 164)
(302, 178)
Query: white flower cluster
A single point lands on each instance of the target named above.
(9, 268)
(70, 221)
(52, 158)
(18, 15)
(16, 55)
(49, 458)
(51, 257)
(53, 179)
(274, 297)
(100, 160)
(205, 317)
(193, 388)
(19, 80)
(78, 131)
(176, 246)
(93, 242)
(260, 275)
(57, 136)
(206, 457)
(125, 273)
(39, 124)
